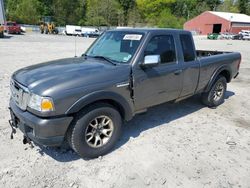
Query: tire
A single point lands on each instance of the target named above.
(215, 96)
(83, 137)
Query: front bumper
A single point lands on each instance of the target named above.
(44, 131)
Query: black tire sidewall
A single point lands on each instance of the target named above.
(78, 133)
(212, 102)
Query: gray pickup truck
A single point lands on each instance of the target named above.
(83, 101)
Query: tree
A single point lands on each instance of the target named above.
(81, 11)
(134, 17)
(168, 20)
(46, 7)
(151, 10)
(24, 11)
(243, 6)
(68, 12)
(162, 13)
(228, 6)
(248, 9)
(102, 13)
(184, 8)
(126, 5)
(212, 4)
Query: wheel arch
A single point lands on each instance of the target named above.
(114, 99)
(223, 71)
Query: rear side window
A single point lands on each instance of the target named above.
(164, 46)
(187, 48)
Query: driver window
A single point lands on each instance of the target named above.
(164, 46)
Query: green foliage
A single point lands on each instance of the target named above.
(212, 4)
(151, 10)
(24, 11)
(46, 7)
(248, 9)
(189, 8)
(168, 20)
(161, 13)
(127, 5)
(68, 12)
(244, 6)
(228, 6)
(102, 13)
(156, 13)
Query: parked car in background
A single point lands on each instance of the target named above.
(237, 37)
(1, 31)
(246, 37)
(213, 36)
(244, 32)
(12, 27)
(90, 32)
(226, 36)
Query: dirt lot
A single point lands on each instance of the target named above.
(172, 145)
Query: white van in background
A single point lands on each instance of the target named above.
(73, 30)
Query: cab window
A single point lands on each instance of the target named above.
(187, 47)
(164, 46)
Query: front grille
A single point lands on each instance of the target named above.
(19, 94)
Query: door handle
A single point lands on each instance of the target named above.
(178, 72)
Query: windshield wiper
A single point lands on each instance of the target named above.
(105, 58)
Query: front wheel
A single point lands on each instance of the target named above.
(95, 131)
(215, 96)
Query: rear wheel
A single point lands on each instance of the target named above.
(215, 96)
(95, 131)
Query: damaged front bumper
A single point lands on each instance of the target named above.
(44, 131)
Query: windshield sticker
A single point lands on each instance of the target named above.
(132, 37)
(125, 59)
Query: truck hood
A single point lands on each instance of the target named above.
(71, 73)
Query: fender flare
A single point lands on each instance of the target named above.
(216, 74)
(99, 96)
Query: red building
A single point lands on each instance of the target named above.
(216, 22)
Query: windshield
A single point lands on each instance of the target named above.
(11, 23)
(119, 46)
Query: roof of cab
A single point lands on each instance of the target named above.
(147, 30)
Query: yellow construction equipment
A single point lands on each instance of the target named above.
(47, 26)
(1, 31)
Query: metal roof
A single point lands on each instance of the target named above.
(233, 17)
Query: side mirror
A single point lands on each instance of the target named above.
(151, 61)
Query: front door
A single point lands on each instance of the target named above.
(162, 83)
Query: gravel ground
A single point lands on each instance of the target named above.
(172, 145)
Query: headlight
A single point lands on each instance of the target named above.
(41, 104)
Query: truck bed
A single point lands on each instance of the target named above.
(210, 61)
(205, 53)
